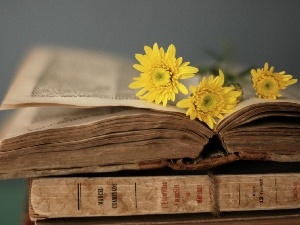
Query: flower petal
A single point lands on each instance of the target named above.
(182, 88)
(184, 103)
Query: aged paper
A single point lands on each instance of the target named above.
(51, 76)
(82, 78)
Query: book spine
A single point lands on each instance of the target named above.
(117, 196)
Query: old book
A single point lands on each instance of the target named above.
(58, 197)
(77, 115)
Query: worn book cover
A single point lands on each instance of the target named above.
(84, 196)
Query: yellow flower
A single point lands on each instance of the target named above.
(210, 99)
(267, 83)
(160, 74)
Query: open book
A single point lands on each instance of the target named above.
(76, 114)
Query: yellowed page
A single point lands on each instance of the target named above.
(290, 99)
(55, 76)
(57, 140)
(33, 119)
(290, 94)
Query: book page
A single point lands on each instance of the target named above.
(34, 119)
(82, 78)
(57, 140)
(67, 77)
(291, 94)
(287, 105)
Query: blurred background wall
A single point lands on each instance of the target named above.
(259, 31)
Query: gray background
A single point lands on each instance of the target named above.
(259, 31)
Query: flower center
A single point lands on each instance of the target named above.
(161, 77)
(269, 85)
(207, 102)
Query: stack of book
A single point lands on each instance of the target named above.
(95, 154)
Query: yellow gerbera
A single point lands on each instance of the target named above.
(160, 74)
(210, 99)
(267, 83)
